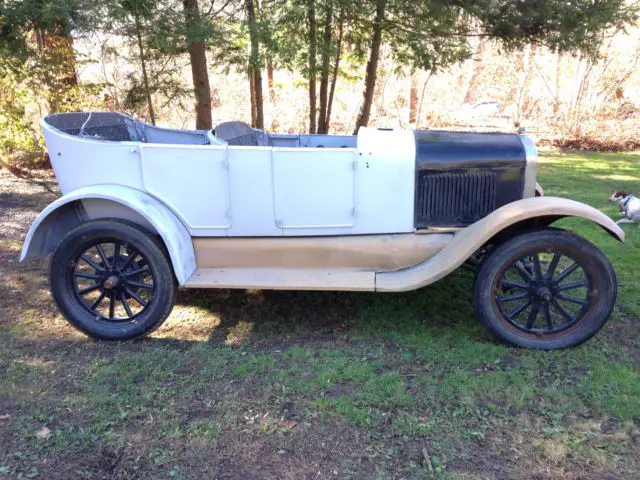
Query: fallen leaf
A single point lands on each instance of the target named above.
(43, 432)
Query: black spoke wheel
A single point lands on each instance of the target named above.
(547, 289)
(112, 280)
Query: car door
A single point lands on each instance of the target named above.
(314, 190)
(193, 181)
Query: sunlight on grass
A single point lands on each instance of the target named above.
(580, 177)
(189, 322)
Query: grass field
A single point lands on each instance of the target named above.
(307, 385)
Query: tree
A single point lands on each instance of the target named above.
(38, 32)
(334, 78)
(313, 51)
(38, 66)
(434, 34)
(372, 65)
(254, 70)
(198, 58)
(413, 99)
(153, 36)
(308, 36)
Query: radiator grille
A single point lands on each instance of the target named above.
(454, 199)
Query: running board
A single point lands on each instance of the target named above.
(283, 279)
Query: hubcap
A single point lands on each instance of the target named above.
(544, 294)
(111, 282)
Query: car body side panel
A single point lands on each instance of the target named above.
(468, 240)
(80, 162)
(191, 180)
(314, 190)
(251, 193)
(359, 252)
(174, 234)
(385, 181)
(224, 190)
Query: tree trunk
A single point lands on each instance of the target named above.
(199, 72)
(336, 65)
(143, 65)
(470, 95)
(313, 50)
(372, 67)
(257, 88)
(62, 44)
(57, 49)
(252, 98)
(556, 106)
(324, 74)
(524, 103)
(272, 91)
(254, 66)
(413, 99)
(424, 89)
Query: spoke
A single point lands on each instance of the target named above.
(137, 272)
(89, 289)
(573, 298)
(532, 316)
(124, 301)
(135, 296)
(552, 266)
(92, 263)
(519, 310)
(116, 253)
(140, 285)
(566, 272)
(563, 311)
(523, 272)
(576, 284)
(131, 256)
(547, 315)
(112, 305)
(536, 267)
(97, 302)
(506, 298)
(512, 283)
(103, 255)
(90, 276)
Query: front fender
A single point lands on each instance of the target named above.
(61, 216)
(470, 239)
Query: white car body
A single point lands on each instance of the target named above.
(301, 212)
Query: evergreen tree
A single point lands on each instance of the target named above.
(433, 34)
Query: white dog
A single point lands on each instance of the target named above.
(629, 207)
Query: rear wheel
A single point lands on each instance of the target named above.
(545, 289)
(112, 280)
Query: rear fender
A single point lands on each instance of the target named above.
(543, 210)
(112, 201)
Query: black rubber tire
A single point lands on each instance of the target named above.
(62, 289)
(590, 258)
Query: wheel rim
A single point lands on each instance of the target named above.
(112, 280)
(543, 293)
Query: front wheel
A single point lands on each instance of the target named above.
(546, 289)
(112, 280)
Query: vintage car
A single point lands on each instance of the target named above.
(146, 209)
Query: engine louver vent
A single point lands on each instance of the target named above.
(454, 199)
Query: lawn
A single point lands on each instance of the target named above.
(260, 384)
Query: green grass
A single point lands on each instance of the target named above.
(306, 384)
